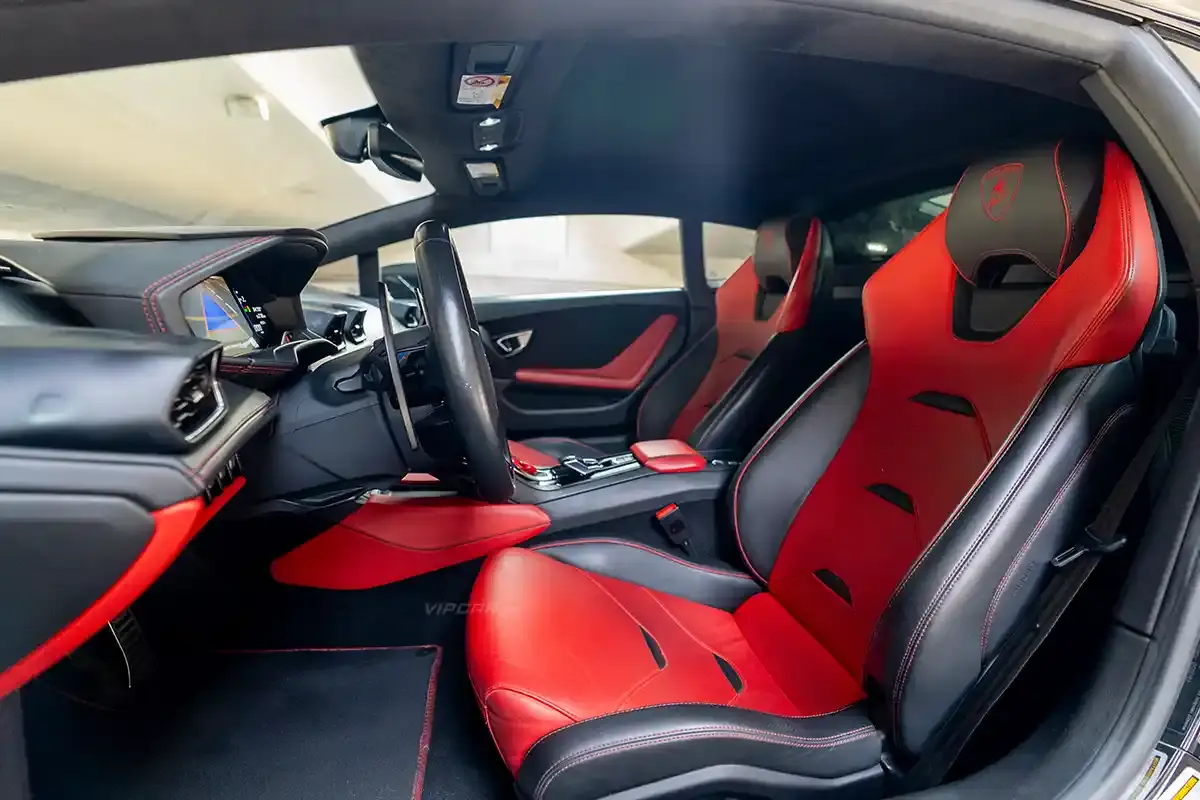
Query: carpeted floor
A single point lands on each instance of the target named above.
(207, 703)
(294, 725)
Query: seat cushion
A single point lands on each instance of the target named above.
(550, 645)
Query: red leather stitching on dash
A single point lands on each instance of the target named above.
(758, 448)
(624, 373)
(651, 550)
(1041, 523)
(150, 294)
(668, 455)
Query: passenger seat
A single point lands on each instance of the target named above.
(776, 331)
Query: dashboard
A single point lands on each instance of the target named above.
(218, 311)
(162, 373)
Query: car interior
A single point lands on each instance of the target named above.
(892, 509)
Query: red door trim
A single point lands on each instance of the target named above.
(624, 373)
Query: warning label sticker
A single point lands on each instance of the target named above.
(482, 90)
(1184, 786)
(1151, 776)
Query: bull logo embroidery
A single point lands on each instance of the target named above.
(998, 189)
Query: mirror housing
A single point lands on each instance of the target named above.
(364, 135)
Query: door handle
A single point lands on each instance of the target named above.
(512, 343)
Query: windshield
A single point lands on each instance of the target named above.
(222, 141)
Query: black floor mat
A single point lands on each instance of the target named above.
(272, 725)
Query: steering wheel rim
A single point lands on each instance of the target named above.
(458, 343)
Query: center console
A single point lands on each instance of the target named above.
(573, 469)
(582, 491)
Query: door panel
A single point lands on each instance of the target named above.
(587, 360)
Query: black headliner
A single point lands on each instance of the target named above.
(1030, 44)
(719, 132)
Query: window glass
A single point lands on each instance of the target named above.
(726, 247)
(870, 237)
(552, 255)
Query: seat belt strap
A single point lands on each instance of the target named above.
(1073, 566)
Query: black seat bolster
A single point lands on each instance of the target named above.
(788, 365)
(700, 749)
(654, 569)
(985, 571)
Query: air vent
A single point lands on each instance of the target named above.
(356, 327)
(198, 404)
(229, 472)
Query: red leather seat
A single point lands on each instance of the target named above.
(897, 523)
(760, 354)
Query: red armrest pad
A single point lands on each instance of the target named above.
(668, 455)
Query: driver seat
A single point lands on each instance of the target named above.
(896, 524)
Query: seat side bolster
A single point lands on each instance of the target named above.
(605, 755)
(654, 569)
(793, 455)
(990, 561)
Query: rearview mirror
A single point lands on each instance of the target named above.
(393, 156)
(364, 135)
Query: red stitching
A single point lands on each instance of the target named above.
(926, 619)
(427, 730)
(430, 693)
(545, 736)
(1066, 210)
(758, 448)
(728, 731)
(150, 295)
(651, 550)
(1041, 523)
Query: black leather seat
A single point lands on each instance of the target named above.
(896, 523)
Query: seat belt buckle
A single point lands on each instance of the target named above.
(1091, 545)
(671, 523)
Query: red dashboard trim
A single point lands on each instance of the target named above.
(174, 527)
(390, 539)
(624, 373)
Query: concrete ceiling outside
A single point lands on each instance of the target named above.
(156, 145)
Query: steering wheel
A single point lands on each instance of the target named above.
(457, 343)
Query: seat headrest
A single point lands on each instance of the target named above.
(1038, 204)
(778, 247)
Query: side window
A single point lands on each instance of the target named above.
(726, 247)
(563, 254)
(864, 240)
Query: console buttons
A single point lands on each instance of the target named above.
(524, 466)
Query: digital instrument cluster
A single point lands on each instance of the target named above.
(216, 310)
